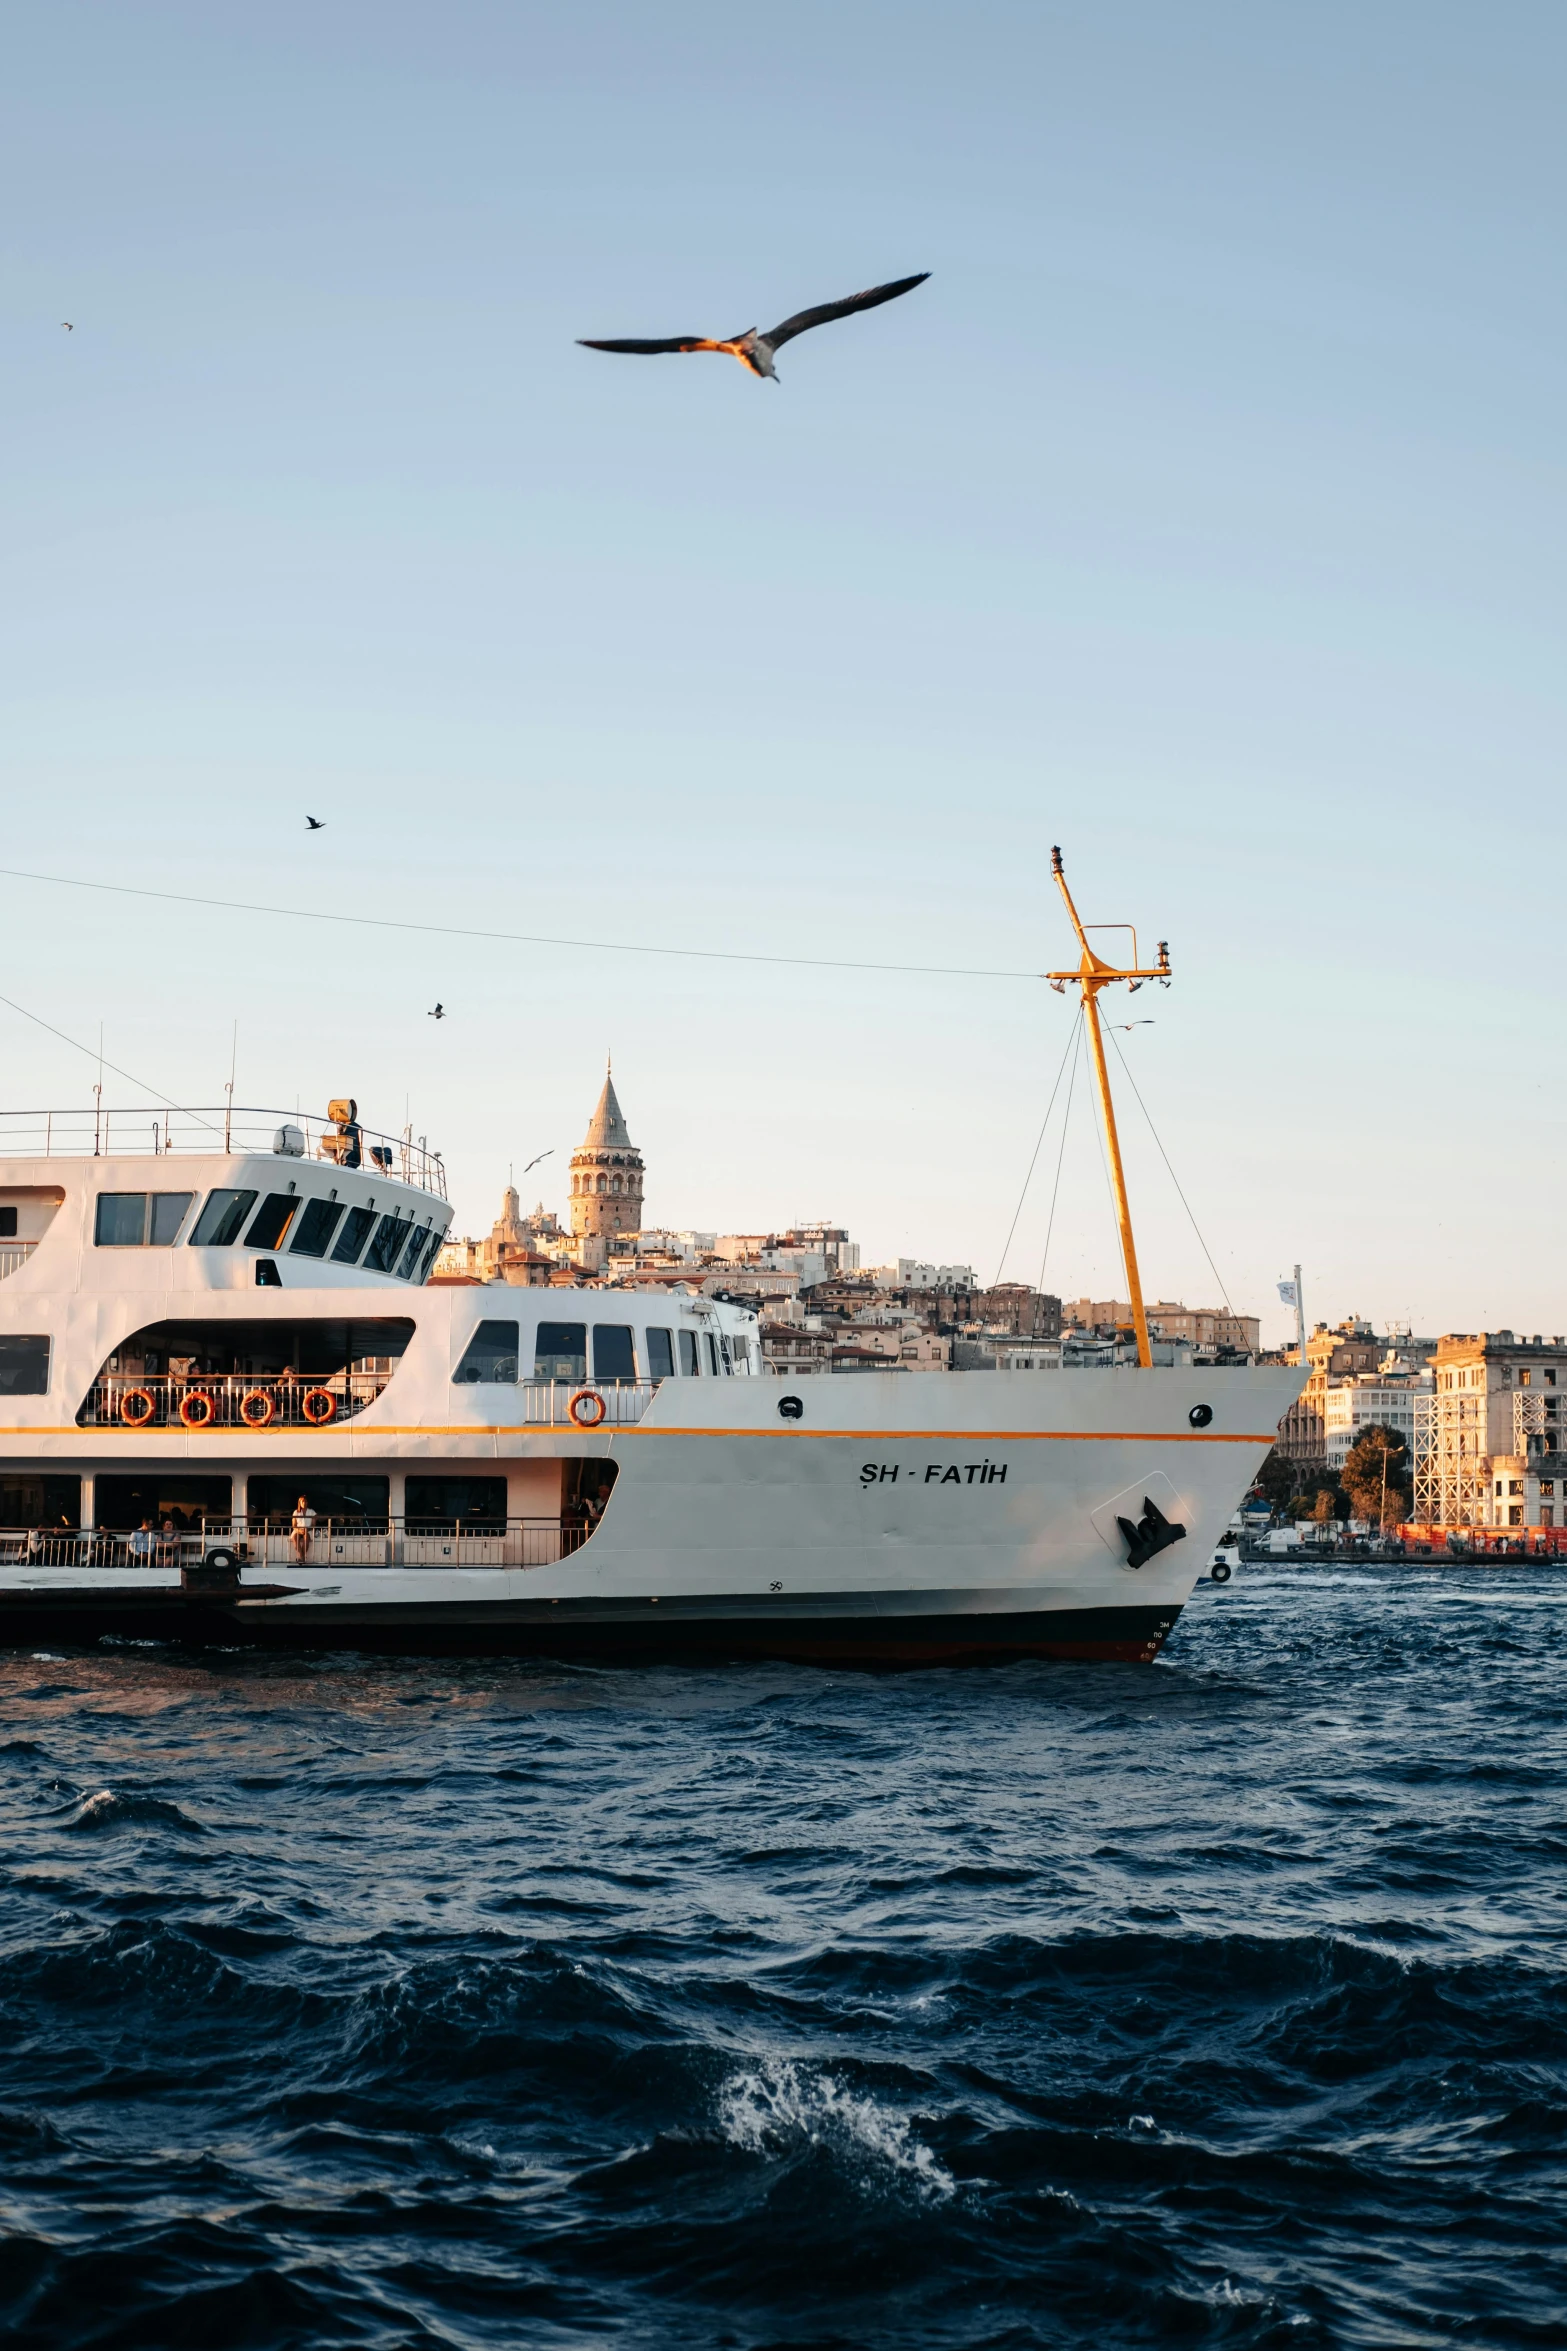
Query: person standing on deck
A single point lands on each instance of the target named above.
(303, 1529)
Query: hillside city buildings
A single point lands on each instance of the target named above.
(1482, 1415)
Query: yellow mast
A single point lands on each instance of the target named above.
(1092, 974)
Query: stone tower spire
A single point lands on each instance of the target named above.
(606, 1182)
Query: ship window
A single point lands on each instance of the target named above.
(167, 1214)
(413, 1253)
(660, 1355)
(446, 1503)
(353, 1236)
(121, 1503)
(387, 1246)
(723, 1349)
(712, 1353)
(219, 1223)
(316, 1227)
(271, 1221)
(132, 1220)
(689, 1363)
(361, 1502)
(24, 1365)
(53, 1502)
(7, 1224)
(122, 1220)
(560, 1352)
(491, 1354)
(432, 1250)
(613, 1355)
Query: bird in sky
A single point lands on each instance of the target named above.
(1131, 1024)
(542, 1155)
(438, 1014)
(65, 322)
(754, 350)
(316, 824)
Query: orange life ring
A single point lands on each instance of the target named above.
(318, 1406)
(257, 1409)
(145, 1409)
(588, 1409)
(198, 1410)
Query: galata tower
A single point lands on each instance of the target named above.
(606, 1183)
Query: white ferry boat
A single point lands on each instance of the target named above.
(233, 1408)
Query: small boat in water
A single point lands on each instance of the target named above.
(233, 1408)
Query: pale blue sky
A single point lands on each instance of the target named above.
(1204, 513)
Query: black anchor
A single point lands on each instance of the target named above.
(1152, 1534)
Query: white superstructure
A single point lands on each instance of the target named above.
(232, 1406)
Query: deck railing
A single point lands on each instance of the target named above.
(290, 1134)
(333, 1542)
(197, 1405)
(14, 1255)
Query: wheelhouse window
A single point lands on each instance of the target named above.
(489, 1357)
(140, 1220)
(690, 1363)
(271, 1221)
(220, 1222)
(614, 1356)
(413, 1253)
(387, 1247)
(353, 1236)
(316, 1227)
(712, 1353)
(24, 1365)
(560, 1351)
(431, 1250)
(660, 1355)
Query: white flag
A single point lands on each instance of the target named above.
(1289, 1294)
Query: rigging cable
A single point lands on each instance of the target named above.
(1028, 1179)
(95, 1053)
(1175, 1179)
(444, 930)
(1066, 1121)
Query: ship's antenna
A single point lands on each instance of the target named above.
(228, 1115)
(1092, 974)
(97, 1115)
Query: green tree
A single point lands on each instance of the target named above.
(1376, 1476)
(1276, 1480)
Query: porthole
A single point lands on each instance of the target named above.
(1200, 1415)
(790, 1408)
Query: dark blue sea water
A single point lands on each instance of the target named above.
(1218, 2002)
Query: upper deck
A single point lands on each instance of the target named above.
(215, 1199)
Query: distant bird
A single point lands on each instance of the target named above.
(754, 350)
(316, 824)
(65, 322)
(542, 1155)
(438, 1014)
(1132, 1024)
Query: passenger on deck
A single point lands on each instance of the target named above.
(144, 1545)
(304, 1528)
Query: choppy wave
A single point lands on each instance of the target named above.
(1221, 2002)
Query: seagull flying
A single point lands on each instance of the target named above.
(438, 1014)
(542, 1155)
(754, 350)
(316, 824)
(65, 322)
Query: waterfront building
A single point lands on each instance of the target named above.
(1375, 1399)
(1496, 1399)
(1198, 1326)
(1347, 1350)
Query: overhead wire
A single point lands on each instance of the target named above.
(442, 930)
